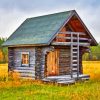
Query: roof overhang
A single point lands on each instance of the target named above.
(26, 45)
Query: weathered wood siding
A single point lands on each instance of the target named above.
(17, 56)
(38, 62)
(64, 61)
(80, 61)
(15, 61)
(10, 59)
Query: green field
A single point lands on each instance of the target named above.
(31, 90)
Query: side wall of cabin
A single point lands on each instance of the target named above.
(15, 61)
(37, 61)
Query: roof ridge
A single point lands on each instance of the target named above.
(51, 14)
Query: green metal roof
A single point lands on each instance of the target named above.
(38, 30)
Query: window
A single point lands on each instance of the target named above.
(25, 58)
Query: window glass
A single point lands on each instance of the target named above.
(25, 58)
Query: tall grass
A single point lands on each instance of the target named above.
(92, 68)
(3, 72)
(3, 69)
(17, 89)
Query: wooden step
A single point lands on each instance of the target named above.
(74, 64)
(74, 69)
(75, 48)
(74, 61)
(75, 52)
(66, 82)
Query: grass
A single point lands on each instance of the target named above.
(3, 70)
(35, 90)
(92, 68)
(23, 90)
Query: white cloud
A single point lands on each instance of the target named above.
(9, 21)
(14, 14)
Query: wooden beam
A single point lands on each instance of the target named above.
(80, 33)
(69, 43)
(26, 45)
(61, 37)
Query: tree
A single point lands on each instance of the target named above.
(95, 51)
(3, 51)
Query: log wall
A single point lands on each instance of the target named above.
(10, 59)
(40, 61)
(80, 61)
(17, 56)
(64, 61)
(37, 61)
(15, 61)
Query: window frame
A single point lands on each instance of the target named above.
(25, 65)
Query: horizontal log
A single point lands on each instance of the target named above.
(80, 33)
(25, 68)
(25, 71)
(74, 38)
(69, 43)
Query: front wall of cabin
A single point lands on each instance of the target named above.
(38, 60)
(62, 67)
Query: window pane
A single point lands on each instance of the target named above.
(25, 58)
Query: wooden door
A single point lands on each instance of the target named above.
(53, 63)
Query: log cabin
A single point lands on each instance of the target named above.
(49, 45)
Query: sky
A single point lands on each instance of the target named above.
(14, 12)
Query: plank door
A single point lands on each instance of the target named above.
(53, 63)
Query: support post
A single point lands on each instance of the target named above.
(71, 47)
(78, 56)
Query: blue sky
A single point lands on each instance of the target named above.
(14, 12)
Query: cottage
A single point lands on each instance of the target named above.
(50, 45)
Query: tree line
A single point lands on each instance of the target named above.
(94, 55)
(3, 52)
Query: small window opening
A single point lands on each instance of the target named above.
(25, 58)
